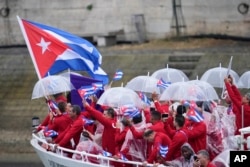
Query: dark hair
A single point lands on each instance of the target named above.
(76, 109)
(57, 95)
(180, 120)
(181, 109)
(137, 119)
(156, 115)
(111, 112)
(152, 109)
(148, 132)
(68, 97)
(204, 153)
(199, 104)
(62, 106)
(125, 122)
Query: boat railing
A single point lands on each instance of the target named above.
(84, 155)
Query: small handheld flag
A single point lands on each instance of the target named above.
(118, 75)
(163, 84)
(144, 98)
(87, 121)
(52, 107)
(86, 91)
(195, 116)
(50, 133)
(122, 157)
(130, 111)
(97, 86)
(106, 154)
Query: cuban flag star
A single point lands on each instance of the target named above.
(195, 116)
(53, 50)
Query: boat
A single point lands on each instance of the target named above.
(57, 159)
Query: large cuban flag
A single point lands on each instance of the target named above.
(53, 51)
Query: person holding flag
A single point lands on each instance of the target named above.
(107, 119)
(70, 137)
(158, 140)
(240, 105)
(62, 121)
(162, 107)
(52, 112)
(196, 128)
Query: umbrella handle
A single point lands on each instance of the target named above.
(223, 95)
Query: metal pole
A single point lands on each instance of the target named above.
(176, 18)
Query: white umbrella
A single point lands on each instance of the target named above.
(223, 158)
(146, 84)
(208, 89)
(215, 76)
(119, 96)
(170, 75)
(244, 80)
(50, 85)
(184, 91)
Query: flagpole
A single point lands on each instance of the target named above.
(28, 45)
(228, 71)
(110, 83)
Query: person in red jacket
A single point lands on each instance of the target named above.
(156, 125)
(62, 121)
(70, 137)
(59, 97)
(159, 140)
(178, 139)
(162, 107)
(196, 129)
(135, 149)
(203, 159)
(239, 105)
(122, 128)
(170, 119)
(107, 119)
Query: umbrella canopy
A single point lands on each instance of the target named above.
(183, 91)
(215, 76)
(119, 96)
(50, 85)
(244, 80)
(223, 159)
(170, 75)
(208, 89)
(146, 84)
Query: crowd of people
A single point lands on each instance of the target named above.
(176, 133)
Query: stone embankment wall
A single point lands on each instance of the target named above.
(138, 20)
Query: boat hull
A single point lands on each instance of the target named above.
(50, 159)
